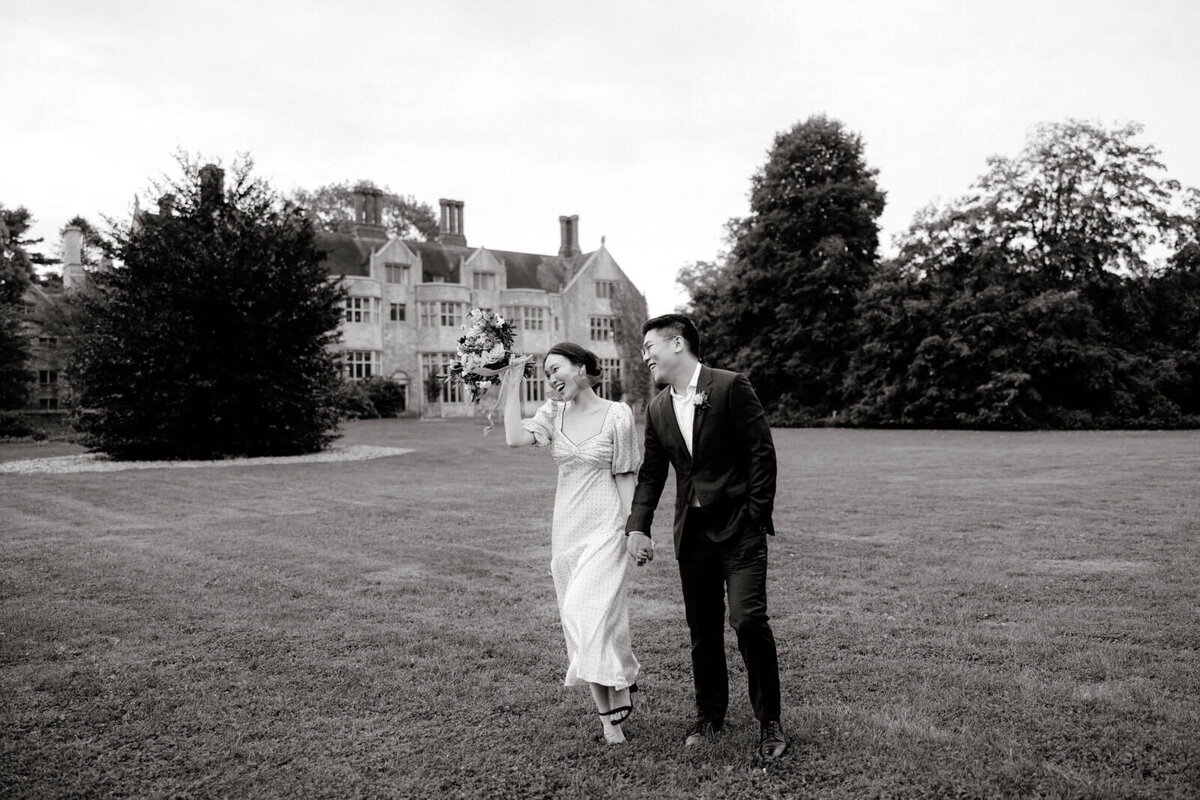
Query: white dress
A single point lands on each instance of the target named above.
(588, 559)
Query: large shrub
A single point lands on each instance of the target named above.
(386, 396)
(211, 334)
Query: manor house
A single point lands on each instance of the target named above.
(407, 302)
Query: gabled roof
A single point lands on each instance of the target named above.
(583, 265)
(521, 269)
(531, 271)
(34, 293)
(440, 259)
(344, 254)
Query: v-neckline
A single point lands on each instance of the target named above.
(562, 425)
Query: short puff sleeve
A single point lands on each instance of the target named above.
(541, 424)
(625, 457)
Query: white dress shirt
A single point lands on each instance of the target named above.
(685, 408)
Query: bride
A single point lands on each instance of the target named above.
(594, 443)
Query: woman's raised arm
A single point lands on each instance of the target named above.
(515, 434)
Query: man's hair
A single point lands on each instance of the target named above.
(669, 325)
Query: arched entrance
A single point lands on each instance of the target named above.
(400, 378)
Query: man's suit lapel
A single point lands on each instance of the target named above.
(703, 389)
(667, 410)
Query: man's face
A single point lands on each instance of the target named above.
(660, 352)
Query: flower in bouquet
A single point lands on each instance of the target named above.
(484, 351)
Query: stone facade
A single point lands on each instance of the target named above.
(49, 393)
(408, 300)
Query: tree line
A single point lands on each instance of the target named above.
(1062, 291)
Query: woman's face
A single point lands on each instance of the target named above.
(563, 377)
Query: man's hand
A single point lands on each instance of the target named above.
(640, 548)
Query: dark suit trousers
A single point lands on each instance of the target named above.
(706, 570)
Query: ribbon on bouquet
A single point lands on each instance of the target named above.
(487, 372)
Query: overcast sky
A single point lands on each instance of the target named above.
(645, 118)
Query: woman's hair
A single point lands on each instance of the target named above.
(580, 357)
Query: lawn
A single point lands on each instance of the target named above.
(959, 615)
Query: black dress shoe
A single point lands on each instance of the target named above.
(771, 741)
(702, 731)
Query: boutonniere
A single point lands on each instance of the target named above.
(700, 401)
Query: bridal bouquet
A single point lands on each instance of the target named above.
(484, 352)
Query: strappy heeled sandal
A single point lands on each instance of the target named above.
(626, 709)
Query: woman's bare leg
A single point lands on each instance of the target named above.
(600, 694)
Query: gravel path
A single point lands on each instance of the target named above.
(95, 462)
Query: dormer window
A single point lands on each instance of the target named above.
(484, 281)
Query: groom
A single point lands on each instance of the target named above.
(709, 425)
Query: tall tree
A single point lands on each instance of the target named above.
(1172, 302)
(1027, 303)
(1082, 199)
(210, 334)
(18, 255)
(403, 215)
(781, 306)
(15, 376)
(16, 273)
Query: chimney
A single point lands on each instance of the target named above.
(569, 230)
(72, 245)
(368, 205)
(451, 231)
(73, 275)
(212, 184)
(368, 212)
(166, 205)
(360, 202)
(375, 208)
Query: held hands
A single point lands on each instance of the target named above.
(640, 547)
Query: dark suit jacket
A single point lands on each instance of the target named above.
(731, 470)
